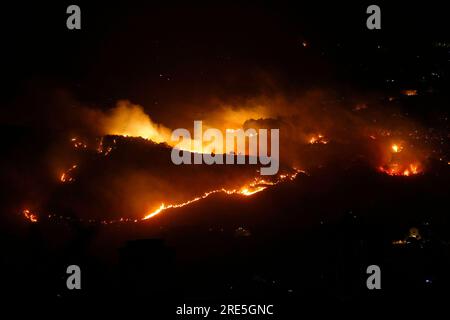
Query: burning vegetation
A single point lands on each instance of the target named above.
(123, 172)
(401, 161)
(318, 139)
(247, 190)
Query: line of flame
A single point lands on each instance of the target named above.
(256, 186)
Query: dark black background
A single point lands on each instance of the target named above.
(215, 48)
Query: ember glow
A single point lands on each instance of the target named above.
(78, 144)
(67, 176)
(30, 215)
(410, 92)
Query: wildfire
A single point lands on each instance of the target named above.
(316, 139)
(130, 120)
(398, 170)
(29, 215)
(255, 186)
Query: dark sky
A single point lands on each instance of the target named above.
(156, 54)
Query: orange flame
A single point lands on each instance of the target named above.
(405, 164)
(317, 138)
(29, 215)
(397, 170)
(396, 148)
(256, 186)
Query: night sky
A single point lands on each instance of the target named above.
(155, 54)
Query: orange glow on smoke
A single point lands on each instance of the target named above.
(29, 215)
(130, 120)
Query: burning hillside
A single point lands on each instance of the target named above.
(126, 174)
(133, 179)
